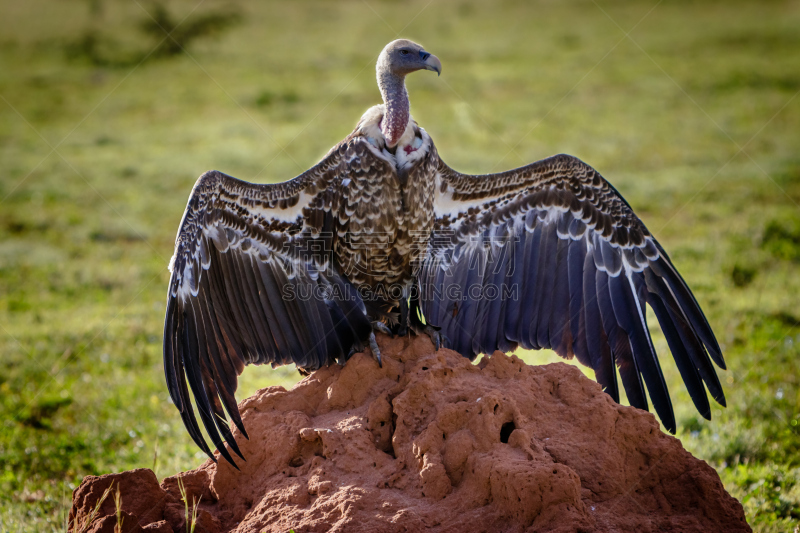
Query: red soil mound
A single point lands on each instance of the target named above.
(432, 442)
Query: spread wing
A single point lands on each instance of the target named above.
(253, 282)
(551, 256)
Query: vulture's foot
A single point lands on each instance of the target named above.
(439, 340)
(382, 328)
(376, 352)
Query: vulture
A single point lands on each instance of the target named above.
(382, 235)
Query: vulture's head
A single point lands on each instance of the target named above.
(402, 57)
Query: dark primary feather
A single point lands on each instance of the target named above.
(581, 267)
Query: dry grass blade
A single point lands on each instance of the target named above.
(118, 506)
(155, 457)
(84, 526)
(190, 524)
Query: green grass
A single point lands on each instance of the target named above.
(104, 128)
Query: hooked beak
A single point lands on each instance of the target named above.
(432, 63)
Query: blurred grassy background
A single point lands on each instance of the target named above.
(689, 108)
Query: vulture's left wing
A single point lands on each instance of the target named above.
(551, 256)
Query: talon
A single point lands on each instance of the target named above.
(353, 350)
(376, 352)
(437, 338)
(383, 328)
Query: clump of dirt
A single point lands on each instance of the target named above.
(432, 442)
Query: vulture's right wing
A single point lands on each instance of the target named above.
(253, 282)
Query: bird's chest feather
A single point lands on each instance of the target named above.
(385, 218)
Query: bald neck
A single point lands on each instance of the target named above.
(395, 97)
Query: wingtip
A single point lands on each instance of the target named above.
(670, 425)
(228, 457)
(713, 349)
(722, 401)
(236, 450)
(223, 451)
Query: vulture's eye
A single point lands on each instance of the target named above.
(404, 52)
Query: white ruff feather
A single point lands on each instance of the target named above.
(369, 127)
